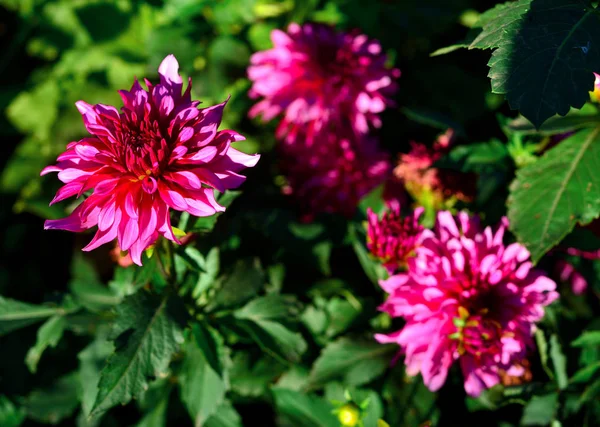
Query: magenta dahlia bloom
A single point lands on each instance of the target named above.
(313, 74)
(160, 152)
(468, 298)
(393, 239)
(335, 173)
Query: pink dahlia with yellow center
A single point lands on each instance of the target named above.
(466, 298)
(313, 75)
(393, 239)
(159, 152)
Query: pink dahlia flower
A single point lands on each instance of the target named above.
(466, 297)
(393, 239)
(334, 174)
(160, 152)
(314, 74)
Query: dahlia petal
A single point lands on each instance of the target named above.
(101, 237)
(186, 179)
(169, 69)
(49, 169)
(70, 223)
(66, 191)
(131, 205)
(128, 234)
(107, 216)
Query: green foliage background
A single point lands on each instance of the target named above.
(284, 311)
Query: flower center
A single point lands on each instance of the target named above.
(143, 151)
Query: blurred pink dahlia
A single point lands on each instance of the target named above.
(314, 74)
(416, 170)
(466, 297)
(393, 239)
(159, 152)
(333, 175)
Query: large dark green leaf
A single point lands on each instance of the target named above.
(560, 189)
(148, 330)
(499, 24)
(356, 361)
(545, 64)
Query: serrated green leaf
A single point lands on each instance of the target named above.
(148, 331)
(226, 416)
(53, 404)
(545, 65)
(499, 24)
(202, 388)
(10, 415)
(264, 319)
(48, 335)
(560, 189)
(357, 362)
(304, 410)
(588, 338)
(540, 410)
(16, 314)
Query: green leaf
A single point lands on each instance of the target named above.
(10, 415)
(155, 402)
(540, 410)
(357, 362)
(148, 330)
(16, 314)
(202, 387)
(36, 111)
(554, 125)
(264, 319)
(91, 361)
(53, 404)
(499, 24)
(48, 335)
(585, 374)
(304, 410)
(559, 361)
(545, 64)
(560, 189)
(588, 338)
(251, 377)
(374, 270)
(242, 283)
(226, 416)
